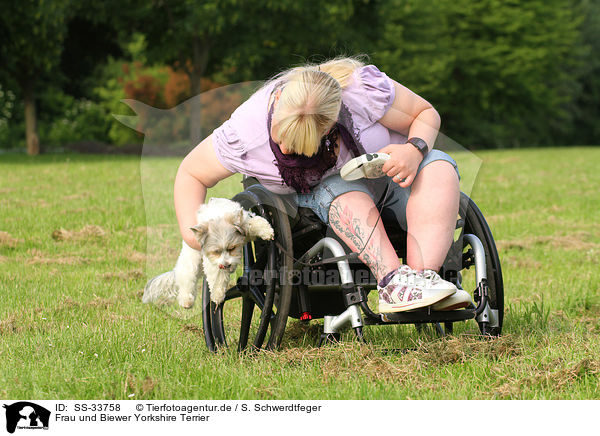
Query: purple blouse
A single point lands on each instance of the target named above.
(242, 142)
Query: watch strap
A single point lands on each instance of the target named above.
(420, 144)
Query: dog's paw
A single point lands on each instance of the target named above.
(260, 227)
(267, 234)
(186, 300)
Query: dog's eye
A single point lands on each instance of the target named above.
(232, 249)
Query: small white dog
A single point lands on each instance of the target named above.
(222, 230)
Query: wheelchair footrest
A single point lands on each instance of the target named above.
(422, 316)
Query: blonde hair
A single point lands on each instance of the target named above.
(311, 98)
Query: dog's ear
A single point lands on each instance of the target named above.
(200, 232)
(241, 231)
(237, 221)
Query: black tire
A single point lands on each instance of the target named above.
(474, 223)
(263, 290)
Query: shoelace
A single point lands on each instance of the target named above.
(421, 279)
(408, 276)
(431, 276)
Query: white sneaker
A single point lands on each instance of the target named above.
(365, 166)
(455, 301)
(407, 289)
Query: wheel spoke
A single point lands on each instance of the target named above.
(257, 295)
(247, 310)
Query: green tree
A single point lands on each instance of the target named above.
(241, 40)
(275, 35)
(501, 72)
(31, 41)
(586, 128)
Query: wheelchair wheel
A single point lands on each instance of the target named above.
(256, 308)
(474, 223)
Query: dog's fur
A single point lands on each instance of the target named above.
(222, 230)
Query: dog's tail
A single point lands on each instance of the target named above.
(160, 289)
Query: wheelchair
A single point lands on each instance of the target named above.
(305, 274)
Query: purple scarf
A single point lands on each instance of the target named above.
(302, 172)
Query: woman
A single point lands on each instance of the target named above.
(294, 135)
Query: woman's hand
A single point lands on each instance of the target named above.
(403, 163)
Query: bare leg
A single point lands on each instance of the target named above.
(352, 216)
(431, 215)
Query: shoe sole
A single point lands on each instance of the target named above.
(411, 305)
(456, 306)
(453, 302)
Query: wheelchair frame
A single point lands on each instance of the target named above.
(343, 303)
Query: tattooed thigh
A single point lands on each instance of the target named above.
(355, 227)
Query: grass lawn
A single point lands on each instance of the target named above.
(77, 242)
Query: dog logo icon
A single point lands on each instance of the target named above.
(26, 415)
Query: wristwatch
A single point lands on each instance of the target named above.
(420, 145)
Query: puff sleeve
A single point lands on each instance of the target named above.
(378, 92)
(229, 147)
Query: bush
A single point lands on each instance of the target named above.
(12, 136)
(83, 120)
(123, 80)
(12, 130)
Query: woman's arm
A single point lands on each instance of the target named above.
(199, 170)
(413, 116)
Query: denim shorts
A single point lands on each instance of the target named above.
(384, 192)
